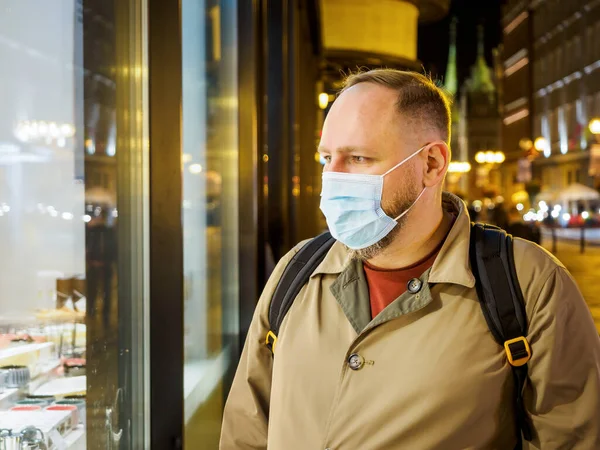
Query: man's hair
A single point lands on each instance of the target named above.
(419, 99)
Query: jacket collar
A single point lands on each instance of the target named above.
(452, 264)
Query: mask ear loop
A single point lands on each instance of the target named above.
(406, 159)
(410, 207)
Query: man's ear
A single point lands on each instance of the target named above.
(438, 159)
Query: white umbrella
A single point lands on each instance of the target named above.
(578, 192)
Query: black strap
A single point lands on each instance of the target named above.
(502, 302)
(295, 276)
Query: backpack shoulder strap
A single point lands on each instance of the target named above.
(295, 276)
(502, 303)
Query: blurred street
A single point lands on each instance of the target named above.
(585, 268)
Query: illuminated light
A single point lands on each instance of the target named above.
(557, 208)
(186, 204)
(566, 216)
(540, 216)
(516, 22)
(186, 158)
(53, 130)
(317, 157)
(115, 213)
(525, 144)
(67, 130)
(459, 167)
(53, 213)
(543, 206)
(195, 169)
(61, 142)
(90, 146)
(43, 128)
(520, 207)
(87, 218)
(555, 214)
(323, 100)
(585, 215)
(516, 116)
(67, 216)
(6, 208)
(480, 157)
(541, 144)
(499, 157)
(265, 158)
(296, 192)
(595, 126)
(516, 66)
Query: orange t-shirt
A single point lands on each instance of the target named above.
(386, 285)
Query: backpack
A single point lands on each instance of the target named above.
(500, 297)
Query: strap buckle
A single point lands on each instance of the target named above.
(518, 351)
(271, 341)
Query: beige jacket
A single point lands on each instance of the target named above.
(432, 376)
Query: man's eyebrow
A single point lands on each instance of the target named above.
(345, 149)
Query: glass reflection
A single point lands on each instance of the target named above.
(210, 204)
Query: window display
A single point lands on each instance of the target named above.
(64, 382)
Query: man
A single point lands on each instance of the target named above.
(365, 362)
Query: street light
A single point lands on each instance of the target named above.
(540, 144)
(323, 100)
(459, 167)
(490, 157)
(595, 126)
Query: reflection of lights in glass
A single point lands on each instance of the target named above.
(555, 214)
(90, 146)
(6, 208)
(540, 216)
(187, 204)
(115, 213)
(54, 213)
(543, 206)
(67, 216)
(61, 142)
(323, 100)
(87, 218)
(520, 207)
(558, 208)
(195, 169)
(585, 215)
(67, 130)
(97, 211)
(317, 157)
(51, 208)
(186, 158)
(265, 158)
(89, 208)
(562, 131)
(566, 216)
(53, 130)
(43, 128)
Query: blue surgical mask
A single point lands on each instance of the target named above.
(351, 203)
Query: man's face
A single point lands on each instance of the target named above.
(364, 133)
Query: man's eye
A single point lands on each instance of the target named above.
(359, 159)
(327, 158)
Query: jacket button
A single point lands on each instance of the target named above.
(414, 285)
(355, 361)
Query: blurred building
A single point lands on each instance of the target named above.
(552, 91)
(475, 125)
